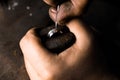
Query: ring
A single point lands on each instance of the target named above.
(52, 32)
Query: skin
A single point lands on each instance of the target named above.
(75, 63)
(43, 65)
(68, 9)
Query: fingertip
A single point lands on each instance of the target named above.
(49, 2)
(52, 13)
(60, 18)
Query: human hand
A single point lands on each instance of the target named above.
(68, 9)
(70, 64)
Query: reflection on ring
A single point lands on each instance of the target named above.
(52, 32)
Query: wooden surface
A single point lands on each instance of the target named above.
(13, 25)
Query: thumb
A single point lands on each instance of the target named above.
(82, 33)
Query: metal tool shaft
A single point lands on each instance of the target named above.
(55, 30)
(56, 21)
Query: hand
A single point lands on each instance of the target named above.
(68, 9)
(70, 64)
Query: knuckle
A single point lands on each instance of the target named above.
(23, 41)
(30, 32)
(27, 37)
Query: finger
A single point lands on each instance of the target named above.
(79, 3)
(82, 32)
(65, 12)
(54, 2)
(33, 50)
(83, 45)
(41, 59)
(68, 10)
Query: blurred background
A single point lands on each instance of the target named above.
(15, 19)
(18, 16)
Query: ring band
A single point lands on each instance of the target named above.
(52, 32)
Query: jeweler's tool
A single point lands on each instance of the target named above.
(55, 30)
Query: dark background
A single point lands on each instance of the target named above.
(103, 15)
(13, 25)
